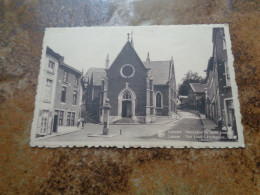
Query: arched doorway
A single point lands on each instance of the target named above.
(126, 103)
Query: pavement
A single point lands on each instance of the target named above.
(208, 124)
(188, 127)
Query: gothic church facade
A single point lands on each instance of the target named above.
(138, 91)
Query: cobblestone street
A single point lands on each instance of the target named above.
(187, 128)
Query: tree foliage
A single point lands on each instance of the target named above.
(190, 77)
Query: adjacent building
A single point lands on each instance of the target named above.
(219, 100)
(138, 91)
(196, 97)
(58, 101)
(183, 102)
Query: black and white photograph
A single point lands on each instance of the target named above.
(137, 86)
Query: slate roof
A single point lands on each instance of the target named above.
(98, 75)
(160, 71)
(198, 87)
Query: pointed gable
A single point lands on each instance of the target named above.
(127, 56)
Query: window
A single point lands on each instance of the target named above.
(63, 94)
(226, 70)
(51, 67)
(75, 94)
(230, 115)
(48, 90)
(76, 81)
(224, 44)
(61, 115)
(68, 118)
(127, 96)
(158, 100)
(222, 36)
(65, 76)
(127, 71)
(72, 119)
(44, 121)
(227, 74)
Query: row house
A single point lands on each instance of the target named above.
(219, 100)
(59, 96)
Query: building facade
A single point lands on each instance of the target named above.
(219, 100)
(58, 102)
(138, 91)
(183, 102)
(67, 99)
(196, 97)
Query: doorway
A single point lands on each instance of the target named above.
(55, 123)
(127, 109)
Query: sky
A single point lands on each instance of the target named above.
(84, 47)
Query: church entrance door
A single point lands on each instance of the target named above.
(127, 109)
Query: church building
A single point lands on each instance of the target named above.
(139, 91)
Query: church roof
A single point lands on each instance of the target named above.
(160, 71)
(127, 50)
(198, 87)
(97, 73)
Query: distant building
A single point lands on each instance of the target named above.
(219, 100)
(92, 94)
(138, 91)
(197, 97)
(57, 104)
(184, 102)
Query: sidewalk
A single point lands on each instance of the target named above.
(59, 134)
(208, 124)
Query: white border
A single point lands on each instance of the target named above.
(154, 143)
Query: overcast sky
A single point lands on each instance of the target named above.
(85, 47)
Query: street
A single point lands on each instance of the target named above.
(187, 128)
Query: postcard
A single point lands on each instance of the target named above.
(137, 86)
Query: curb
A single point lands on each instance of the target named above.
(55, 135)
(164, 123)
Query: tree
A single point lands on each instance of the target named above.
(190, 77)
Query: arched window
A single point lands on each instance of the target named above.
(158, 100)
(127, 96)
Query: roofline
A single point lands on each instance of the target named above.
(93, 71)
(167, 84)
(193, 88)
(121, 51)
(49, 51)
(67, 66)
